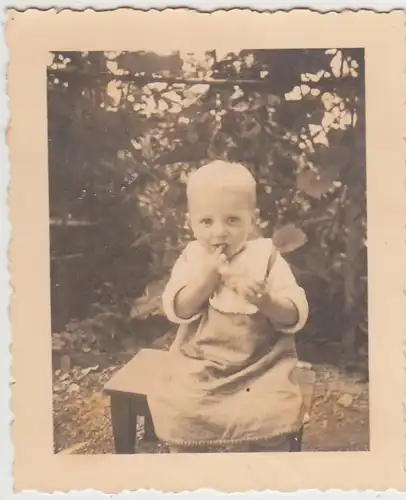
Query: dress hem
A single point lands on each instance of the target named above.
(225, 442)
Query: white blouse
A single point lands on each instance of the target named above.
(253, 260)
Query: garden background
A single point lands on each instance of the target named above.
(124, 131)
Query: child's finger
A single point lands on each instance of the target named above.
(219, 250)
(252, 297)
(221, 263)
(257, 291)
(251, 287)
(252, 291)
(255, 287)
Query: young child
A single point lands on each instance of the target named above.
(229, 379)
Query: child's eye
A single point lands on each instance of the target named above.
(206, 222)
(233, 220)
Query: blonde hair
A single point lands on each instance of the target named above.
(222, 175)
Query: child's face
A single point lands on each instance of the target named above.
(221, 217)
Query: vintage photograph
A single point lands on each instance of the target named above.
(208, 250)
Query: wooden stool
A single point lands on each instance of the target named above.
(128, 391)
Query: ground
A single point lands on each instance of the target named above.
(339, 417)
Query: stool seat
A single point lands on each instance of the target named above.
(136, 376)
(128, 389)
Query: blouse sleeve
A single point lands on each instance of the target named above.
(282, 283)
(180, 277)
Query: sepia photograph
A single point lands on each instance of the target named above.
(208, 250)
(207, 216)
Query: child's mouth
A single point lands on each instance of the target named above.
(222, 246)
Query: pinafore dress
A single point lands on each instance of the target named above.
(228, 379)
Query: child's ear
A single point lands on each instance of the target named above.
(189, 223)
(188, 220)
(255, 216)
(255, 231)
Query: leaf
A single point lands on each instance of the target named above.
(141, 240)
(258, 101)
(253, 130)
(147, 148)
(240, 106)
(169, 259)
(273, 100)
(65, 363)
(73, 388)
(58, 388)
(315, 184)
(304, 365)
(144, 307)
(175, 195)
(316, 263)
(57, 343)
(149, 62)
(149, 304)
(191, 136)
(156, 288)
(73, 449)
(185, 153)
(289, 238)
(345, 400)
(86, 371)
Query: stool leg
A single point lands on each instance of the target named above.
(296, 441)
(149, 430)
(123, 422)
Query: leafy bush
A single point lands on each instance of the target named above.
(125, 130)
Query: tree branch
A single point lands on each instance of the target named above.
(323, 85)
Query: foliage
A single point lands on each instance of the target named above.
(125, 130)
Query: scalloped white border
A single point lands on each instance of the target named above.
(6, 451)
(210, 5)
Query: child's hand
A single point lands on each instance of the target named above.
(211, 264)
(206, 276)
(253, 291)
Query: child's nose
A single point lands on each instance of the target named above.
(219, 229)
